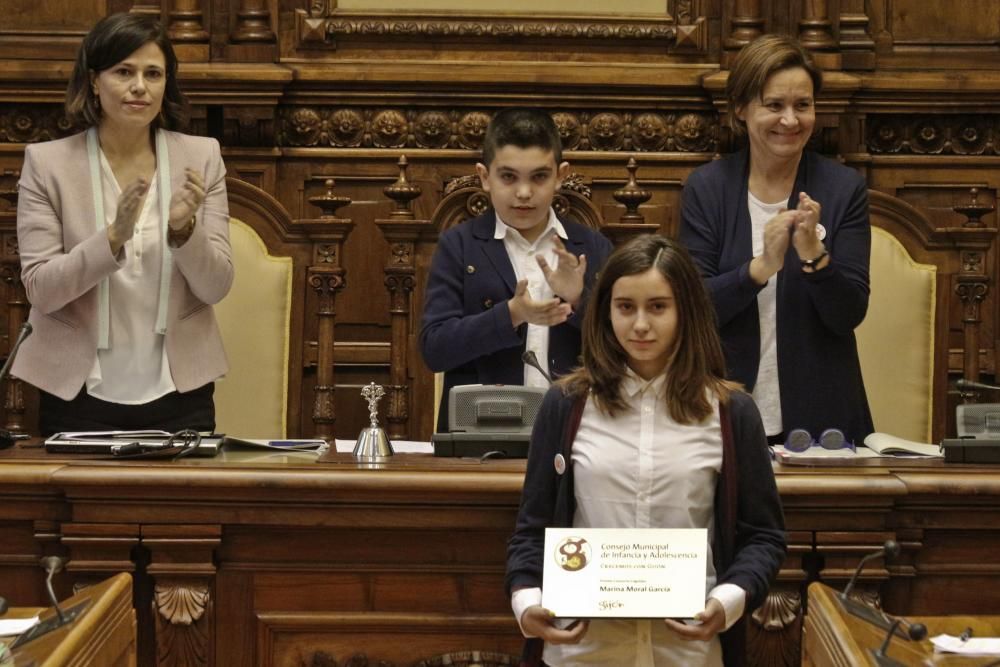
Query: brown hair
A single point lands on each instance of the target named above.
(755, 64)
(524, 128)
(111, 41)
(696, 362)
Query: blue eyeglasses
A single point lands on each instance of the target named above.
(799, 440)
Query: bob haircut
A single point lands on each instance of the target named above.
(696, 365)
(764, 56)
(524, 128)
(111, 41)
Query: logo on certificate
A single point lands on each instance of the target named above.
(573, 554)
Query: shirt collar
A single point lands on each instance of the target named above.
(501, 228)
(633, 385)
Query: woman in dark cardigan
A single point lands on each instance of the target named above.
(782, 238)
(651, 389)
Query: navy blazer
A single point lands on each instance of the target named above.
(467, 332)
(818, 368)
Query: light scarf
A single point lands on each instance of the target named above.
(166, 266)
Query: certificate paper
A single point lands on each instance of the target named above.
(625, 572)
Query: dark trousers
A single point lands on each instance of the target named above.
(174, 412)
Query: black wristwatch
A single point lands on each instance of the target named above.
(812, 263)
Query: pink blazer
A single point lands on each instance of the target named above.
(65, 255)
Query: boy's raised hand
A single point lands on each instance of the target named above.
(546, 313)
(566, 280)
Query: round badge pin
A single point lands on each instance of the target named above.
(820, 231)
(560, 463)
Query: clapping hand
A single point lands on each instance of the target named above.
(546, 313)
(185, 202)
(805, 238)
(129, 205)
(777, 234)
(566, 280)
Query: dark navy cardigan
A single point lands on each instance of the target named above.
(749, 544)
(467, 331)
(818, 368)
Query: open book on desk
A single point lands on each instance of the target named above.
(877, 446)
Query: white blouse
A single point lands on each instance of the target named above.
(134, 370)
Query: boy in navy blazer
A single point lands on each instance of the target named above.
(514, 279)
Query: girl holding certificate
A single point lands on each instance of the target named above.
(648, 434)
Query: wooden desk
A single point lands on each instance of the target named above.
(835, 638)
(104, 632)
(259, 559)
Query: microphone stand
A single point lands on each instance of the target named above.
(914, 632)
(7, 438)
(530, 359)
(874, 616)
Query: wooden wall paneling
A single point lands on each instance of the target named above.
(910, 33)
(325, 31)
(417, 639)
(50, 30)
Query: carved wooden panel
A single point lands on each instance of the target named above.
(349, 640)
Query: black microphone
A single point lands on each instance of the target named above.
(52, 565)
(529, 358)
(914, 631)
(890, 550)
(968, 385)
(3, 606)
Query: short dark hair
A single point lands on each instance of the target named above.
(696, 363)
(524, 128)
(111, 41)
(764, 56)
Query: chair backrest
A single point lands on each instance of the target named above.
(896, 340)
(254, 318)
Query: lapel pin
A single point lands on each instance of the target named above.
(560, 463)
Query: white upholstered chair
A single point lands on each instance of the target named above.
(896, 340)
(255, 319)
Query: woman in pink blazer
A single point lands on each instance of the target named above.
(123, 232)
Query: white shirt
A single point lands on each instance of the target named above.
(522, 257)
(641, 469)
(135, 369)
(766, 392)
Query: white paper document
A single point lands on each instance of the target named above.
(970, 646)
(16, 626)
(625, 573)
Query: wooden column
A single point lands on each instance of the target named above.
(857, 48)
(402, 231)
(326, 277)
(747, 24)
(974, 240)
(253, 22)
(183, 570)
(186, 27)
(816, 33)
